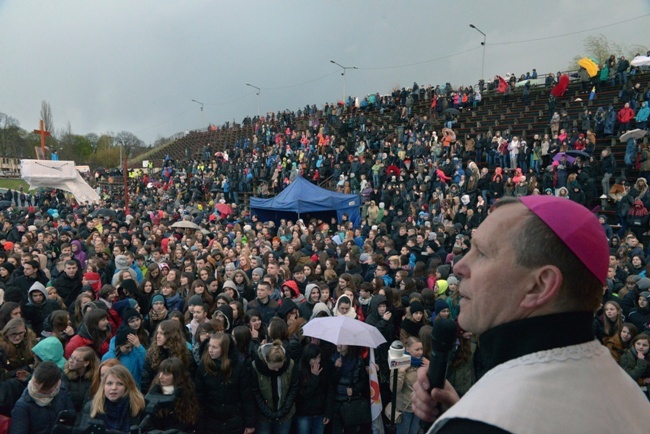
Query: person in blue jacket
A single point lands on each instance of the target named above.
(125, 346)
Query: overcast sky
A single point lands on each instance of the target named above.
(136, 65)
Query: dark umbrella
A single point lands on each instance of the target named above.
(453, 111)
(103, 211)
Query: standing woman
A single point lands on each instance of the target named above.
(173, 379)
(351, 380)
(223, 390)
(315, 400)
(79, 371)
(118, 402)
(275, 386)
(95, 332)
(167, 341)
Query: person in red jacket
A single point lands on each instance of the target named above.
(625, 116)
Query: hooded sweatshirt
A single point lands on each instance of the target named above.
(307, 308)
(35, 314)
(351, 312)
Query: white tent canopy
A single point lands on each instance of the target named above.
(57, 174)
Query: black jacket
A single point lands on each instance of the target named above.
(226, 406)
(68, 288)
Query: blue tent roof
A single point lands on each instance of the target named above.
(302, 197)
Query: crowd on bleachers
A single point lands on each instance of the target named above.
(107, 309)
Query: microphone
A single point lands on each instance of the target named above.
(443, 338)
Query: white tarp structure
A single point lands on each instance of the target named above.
(57, 174)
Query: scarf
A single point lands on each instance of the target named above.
(167, 390)
(41, 399)
(158, 316)
(117, 415)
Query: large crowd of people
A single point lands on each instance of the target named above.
(113, 315)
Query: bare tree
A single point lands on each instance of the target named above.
(599, 48)
(46, 115)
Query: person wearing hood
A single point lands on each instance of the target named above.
(38, 308)
(642, 116)
(312, 296)
(291, 291)
(343, 307)
(224, 314)
(78, 253)
(69, 283)
(122, 264)
(18, 290)
(274, 388)
(223, 389)
(640, 316)
(50, 350)
(413, 321)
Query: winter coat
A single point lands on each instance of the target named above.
(284, 382)
(148, 371)
(226, 406)
(68, 288)
(78, 388)
(636, 368)
(83, 339)
(134, 361)
(316, 393)
(28, 417)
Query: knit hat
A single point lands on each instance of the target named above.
(156, 298)
(452, 280)
(195, 300)
(645, 294)
(121, 262)
(130, 313)
(416, 306)
(230, 266)
(643, 283)
(364, 258)
(129, 286)
(229, 284)
(585, 236)
(122, 335)
(8, 266)
(287, 306)
(259, 271)
(440, 305)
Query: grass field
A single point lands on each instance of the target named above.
(13, 183)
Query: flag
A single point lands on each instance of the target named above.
(503, 85)
(375, 396)
(592, 95)
(561, 87)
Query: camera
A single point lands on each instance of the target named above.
(396, 356)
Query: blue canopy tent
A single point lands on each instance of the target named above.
(302, 199)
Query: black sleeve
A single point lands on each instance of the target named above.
(468, 426)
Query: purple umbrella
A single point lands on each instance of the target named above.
(559, 155)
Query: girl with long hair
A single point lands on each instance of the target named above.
(253, 320)
(173, 379)
(167, 341)
(611, 322)
(636, 360)
(117, 402)
(100, 374)
(95, 332)
(9, 311)
(16, 356)
(621, 342)
(223, 389)
(77, 310)
(79, 372)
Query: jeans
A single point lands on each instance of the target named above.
(410, 424)
(605, 183)
(309, 425)
(266, 427)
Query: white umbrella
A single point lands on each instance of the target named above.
(640, 61)
(186, 224)
(633, 134)
(341, 330)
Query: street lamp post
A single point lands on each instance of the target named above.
(258, 97)
(483, 44)
(344, 68)
(202, 114)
